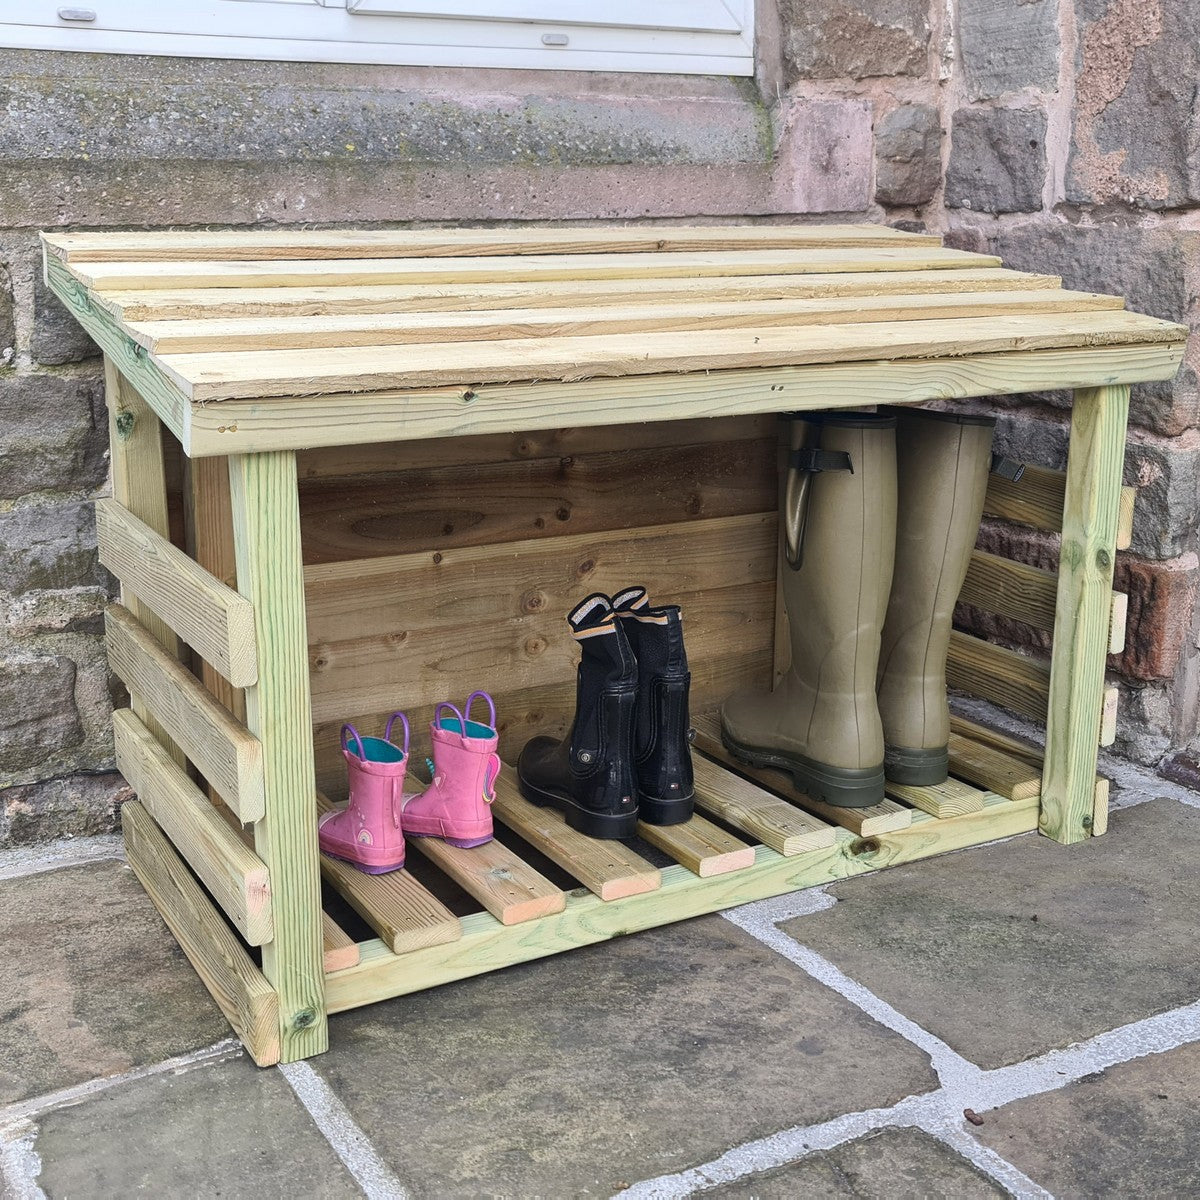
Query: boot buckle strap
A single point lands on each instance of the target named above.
(1007, 468)
(813, 460)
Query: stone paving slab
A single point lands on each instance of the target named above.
(1130, 1131)
(901, 1164)
(586, 1072)
(93, 983)
(227, 1130)
(1010, 950)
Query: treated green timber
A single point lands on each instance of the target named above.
(132, 360)
(1095, 457)
(486, 945)
(266, 535)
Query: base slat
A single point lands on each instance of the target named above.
(702, 847)
(340, 949)
(950, 799)
(886, 817)
(241, 991)
(609, 869)
(510, 889)
(774, 822)
(487, 945)
(1001, 773)
(395, 905)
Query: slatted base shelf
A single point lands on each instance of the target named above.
(791, 843)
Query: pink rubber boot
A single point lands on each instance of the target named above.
(367, 832)
(456, 805)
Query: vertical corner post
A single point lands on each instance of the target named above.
(266, 532)
(1085, 572)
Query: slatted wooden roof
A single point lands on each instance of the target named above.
(251, 340)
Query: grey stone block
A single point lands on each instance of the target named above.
(908, 162)
(56, 435)
(1099, 934)
(610, 1064)
(97, 990)
(57, 337)
(226, 1130)
(1136, 134)
(8, 336)
(1128, 1131)
(1167, 476)
(1008, 45)
(48, 545)
(38, 718)
(1149, 267)
(901, 1164)
(997, 160)
(830, 39)
(77, 806)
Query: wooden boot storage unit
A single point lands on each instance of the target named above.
(356, 471)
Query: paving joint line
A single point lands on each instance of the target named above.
(54, 856)
(343, 1133)
(20, 1163)
(938, 1113)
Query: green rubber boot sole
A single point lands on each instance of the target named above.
(843, 787)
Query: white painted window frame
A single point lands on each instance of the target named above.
(695, 37)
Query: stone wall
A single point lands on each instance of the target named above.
(1061, 135)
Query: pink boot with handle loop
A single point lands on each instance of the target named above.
(456, 806)
(368, 832)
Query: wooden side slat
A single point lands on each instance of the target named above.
(189, 303)
(226, 334)
(1100, 807)
(210, 245)
(1011, 589)
(135, 439)
(754, 810)
(340, 949)
(608, 868)
(1037, 499)
(1110, 698)
(998, 674)
(1118, 620)
(703, 848)
(885, 817)
(237, 985)
(226, 752)
(992, 769)
(212, 618)
(509, 888)
(234, 875)
(950, 799)
(1125, 504)
(395, 905)
(514, 269)
(291, 373)
(974, 732)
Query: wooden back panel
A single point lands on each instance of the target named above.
(434, 568)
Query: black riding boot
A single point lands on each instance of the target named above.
(590, 774)
(662, 753)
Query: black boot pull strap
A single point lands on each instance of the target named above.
(1007, 468)
(812, 460)
(803, 464)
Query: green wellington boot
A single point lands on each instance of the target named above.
(821, 723)
(942, 462)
